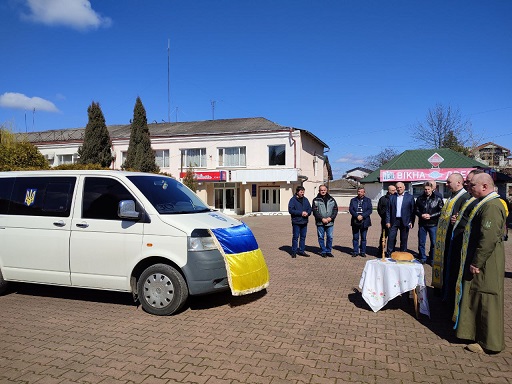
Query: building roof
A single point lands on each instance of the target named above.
(418, 159)
(192, 128)
(342, 184)
(362, 169)
(491, 144)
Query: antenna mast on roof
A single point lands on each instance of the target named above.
(213, 108)
(168, 81)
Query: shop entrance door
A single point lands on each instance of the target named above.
(270, 200)
(225, 199)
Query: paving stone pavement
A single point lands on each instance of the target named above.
(310, 326)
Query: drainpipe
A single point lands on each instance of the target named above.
(303, 178)
(294, 149)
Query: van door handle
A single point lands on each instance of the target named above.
(82, 225)
(59, 223)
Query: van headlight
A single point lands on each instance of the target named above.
(201, 240)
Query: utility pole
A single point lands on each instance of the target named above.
(168, 81)
(213, 108)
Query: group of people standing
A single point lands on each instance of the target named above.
(466, 244)
(466, 250)
(325, 210)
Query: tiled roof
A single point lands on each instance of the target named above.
(342, 184)
(192, 128)
(418, 159)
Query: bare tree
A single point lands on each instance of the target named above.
(444, 126)
(381, 158)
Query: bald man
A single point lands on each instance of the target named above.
(479, 306)
(447, 252)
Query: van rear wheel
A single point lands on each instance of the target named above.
(162, 290)
(3, 284)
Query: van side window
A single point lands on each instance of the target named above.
(101, 198)
(42, 196)
(6, 185)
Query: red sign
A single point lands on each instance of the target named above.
(435, 160)
(391, 175)
(207, 176)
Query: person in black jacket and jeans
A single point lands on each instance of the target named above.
(300, 210)
(428, 209)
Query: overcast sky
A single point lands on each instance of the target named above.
(358, 74)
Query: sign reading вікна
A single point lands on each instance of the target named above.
(207, 176)
(421, 174)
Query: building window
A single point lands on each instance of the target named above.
(162, 158)
(232, 157)
(124, 154)
(66, 159)
(276, 155)
(193, 158)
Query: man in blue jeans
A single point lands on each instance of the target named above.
(428, 209)
(325, 210)
(299, 209)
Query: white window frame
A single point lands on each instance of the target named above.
(163, 160)
(64, 155)
(185, 163)
(241, 156)
(124, 155)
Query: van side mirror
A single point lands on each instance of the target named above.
(126, 210)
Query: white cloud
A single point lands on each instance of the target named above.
(351, 158)
(20, 101)
(77, 14)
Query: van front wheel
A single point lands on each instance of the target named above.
(162, 290)
(3, 284)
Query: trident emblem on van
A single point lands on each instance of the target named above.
(30, 197)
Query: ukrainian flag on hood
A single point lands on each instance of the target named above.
(245, 264)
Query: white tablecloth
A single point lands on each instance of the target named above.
(382, 281)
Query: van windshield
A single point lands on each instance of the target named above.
(168, 196)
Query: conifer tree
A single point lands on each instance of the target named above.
(140, 156)
(97, 147)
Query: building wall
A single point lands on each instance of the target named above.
(304, 164)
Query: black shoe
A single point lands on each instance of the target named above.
(302, 254)
(329, 254)
(362, 254)
(354, 254)
(323, 254)
(294, 255)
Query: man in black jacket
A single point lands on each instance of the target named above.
(428, 209)
(382, 206)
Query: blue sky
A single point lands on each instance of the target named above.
(358, 74)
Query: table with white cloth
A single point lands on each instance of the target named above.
(384, 279)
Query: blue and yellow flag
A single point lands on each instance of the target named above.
(245, 264)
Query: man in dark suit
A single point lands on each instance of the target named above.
(399, 216)
(360, 209)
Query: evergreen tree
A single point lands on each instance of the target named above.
(140, 156)
(97, 147)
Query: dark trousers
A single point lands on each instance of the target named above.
(404, 235)
(359, 234)
(299, 232)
